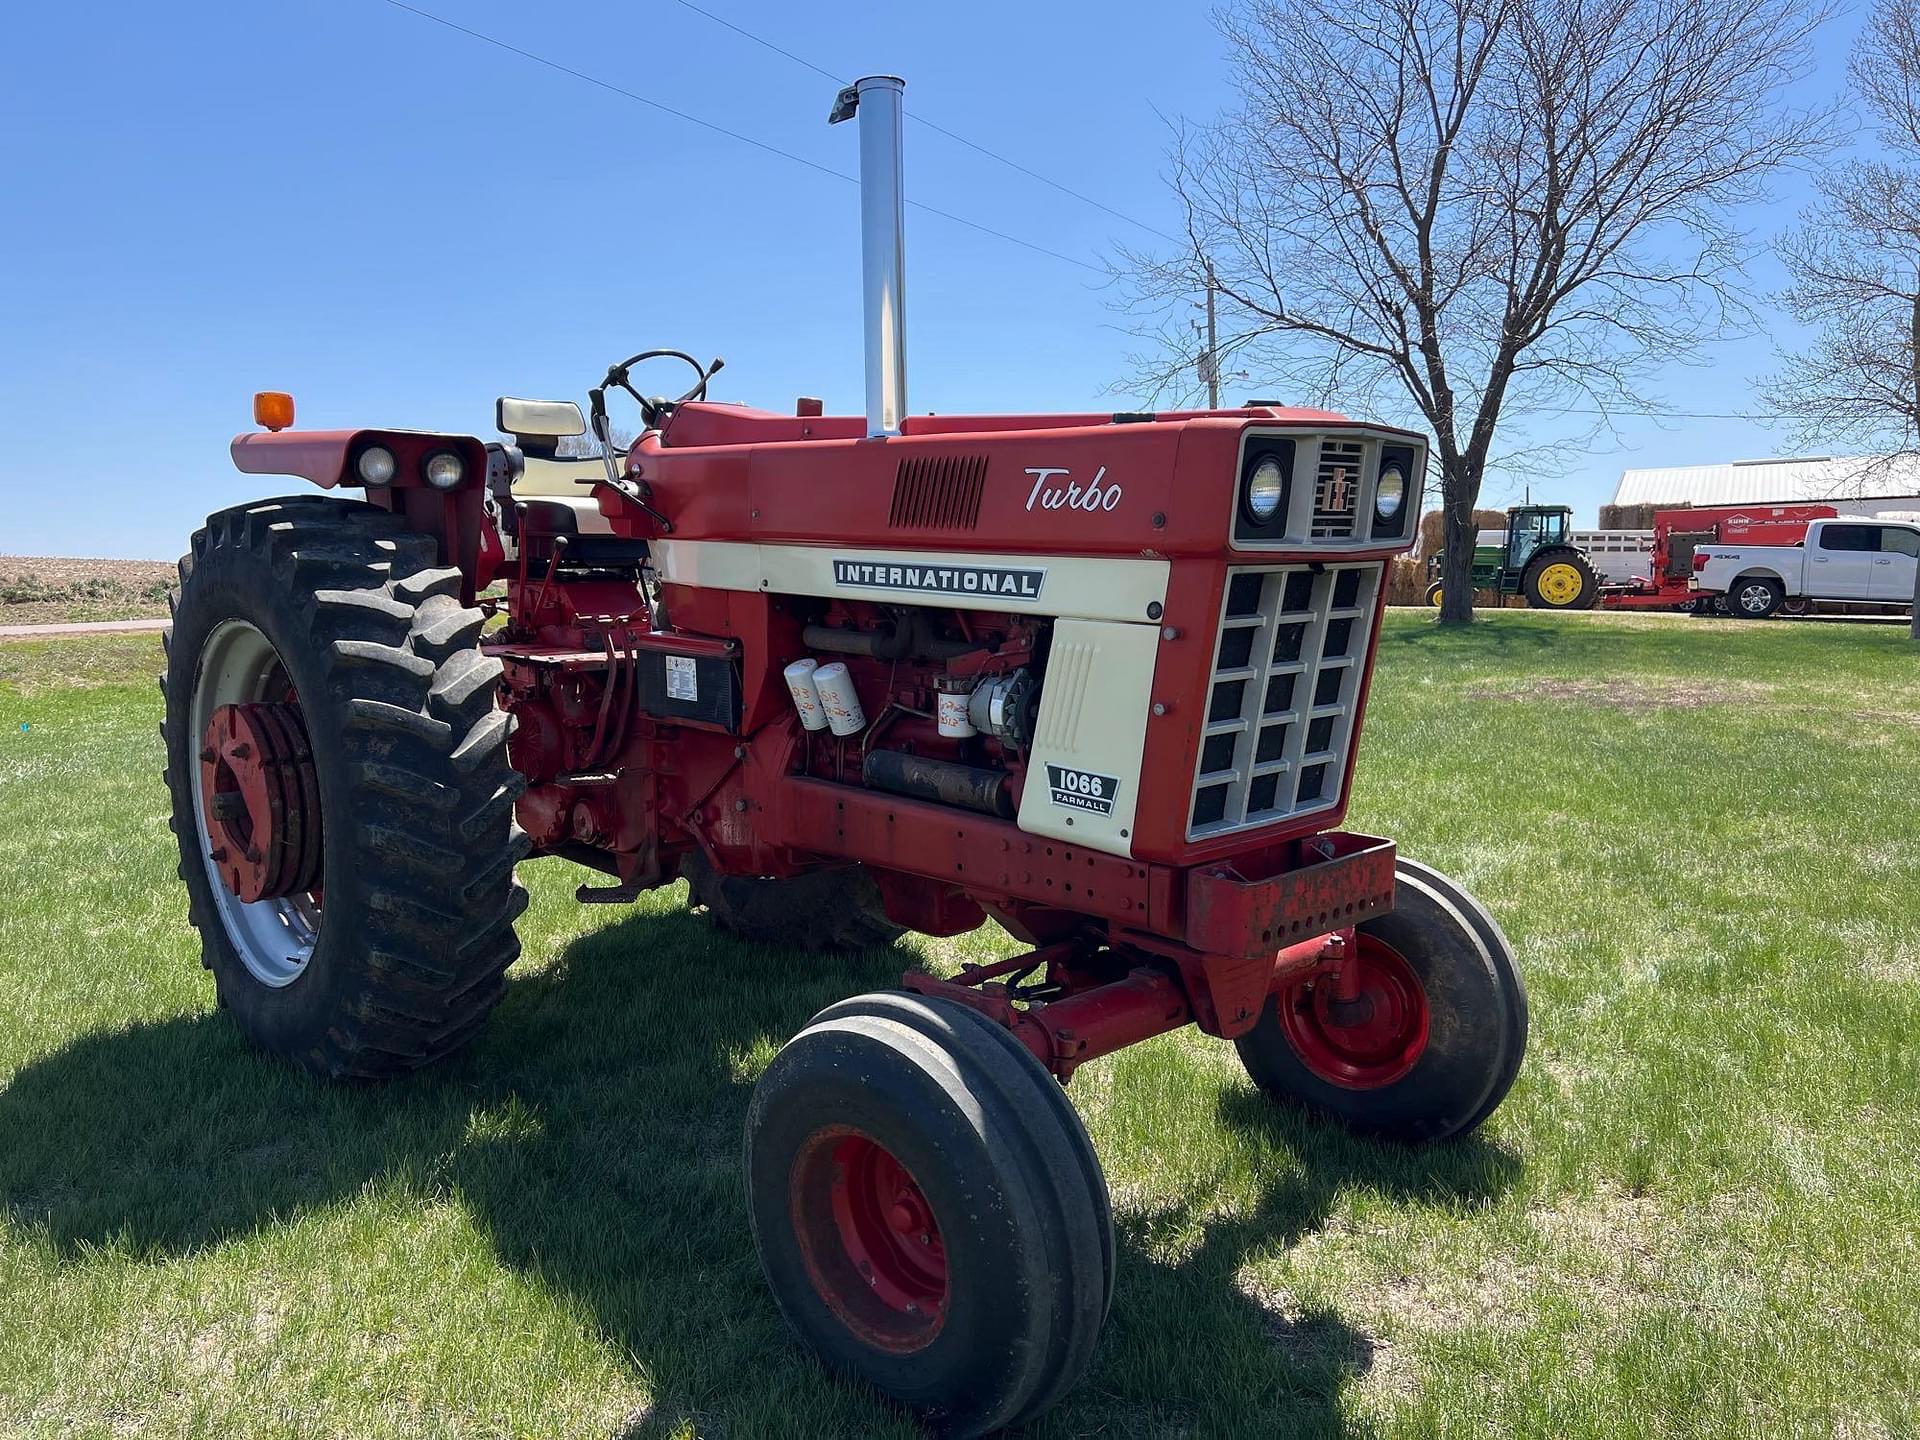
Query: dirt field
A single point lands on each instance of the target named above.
(39, 590)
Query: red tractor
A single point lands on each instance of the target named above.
(1098, 678)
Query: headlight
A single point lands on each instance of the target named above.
(1390, 493)
(445, 470)
(376, 465)
(1266, 487)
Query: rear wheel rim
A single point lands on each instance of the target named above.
(869, 1240)
(274, 937)
(1369, 1041)
(1755, 598)
(1559, 583)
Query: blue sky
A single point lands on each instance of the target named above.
(397, 223)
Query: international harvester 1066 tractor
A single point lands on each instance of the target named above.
(1098, 678)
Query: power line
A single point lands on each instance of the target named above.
(1676, 415)
(717, 129)
(609, 86)
(931, 125)
(762, 41)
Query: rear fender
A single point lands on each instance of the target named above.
(455, 518)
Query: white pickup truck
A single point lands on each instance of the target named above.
(1861, 561)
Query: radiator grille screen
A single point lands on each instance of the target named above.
(1288, 663)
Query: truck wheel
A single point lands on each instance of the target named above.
(837, 909)
(1435, 593)
(1561, 580)
(1432, 1042)
(1755, 597)
(1796, 606)
(340, 789)
(929, 1211)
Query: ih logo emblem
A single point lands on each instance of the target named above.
(1082, 789)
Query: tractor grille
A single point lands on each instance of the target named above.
(1336, 488)
(1287, 669)
(939, 492)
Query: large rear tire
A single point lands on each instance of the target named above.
(1433, 1041)
(928, 1210)
(374, 935)
(1561, 579)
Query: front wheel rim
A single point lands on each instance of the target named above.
(869, 1239)
(1369, 1041)
(274, 937)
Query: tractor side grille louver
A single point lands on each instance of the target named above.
(1288, 665)
(1336, 489)
(938, 492)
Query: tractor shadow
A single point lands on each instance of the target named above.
(1195, 1346)
(593, 1135)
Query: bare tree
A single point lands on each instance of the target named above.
(1854, 260)
(1457, 210)
(579, 446)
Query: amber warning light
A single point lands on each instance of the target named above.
(272, 409)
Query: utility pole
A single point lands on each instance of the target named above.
(1209, 366)
(1213, 352)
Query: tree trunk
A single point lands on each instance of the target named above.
(1458, 491)
(1915, 433)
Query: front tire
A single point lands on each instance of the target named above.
(928, 1210)
(1432, 1042)
(1436, 592)
(372, 932)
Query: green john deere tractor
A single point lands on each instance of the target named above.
(1531, 557)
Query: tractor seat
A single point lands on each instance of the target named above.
(555, 482)
(557, 490)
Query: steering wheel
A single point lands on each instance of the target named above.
(652, 409)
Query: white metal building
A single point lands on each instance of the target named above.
(1853, 485)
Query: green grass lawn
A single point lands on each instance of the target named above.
(1696, 1214)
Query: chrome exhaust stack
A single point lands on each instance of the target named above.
(877, 101)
